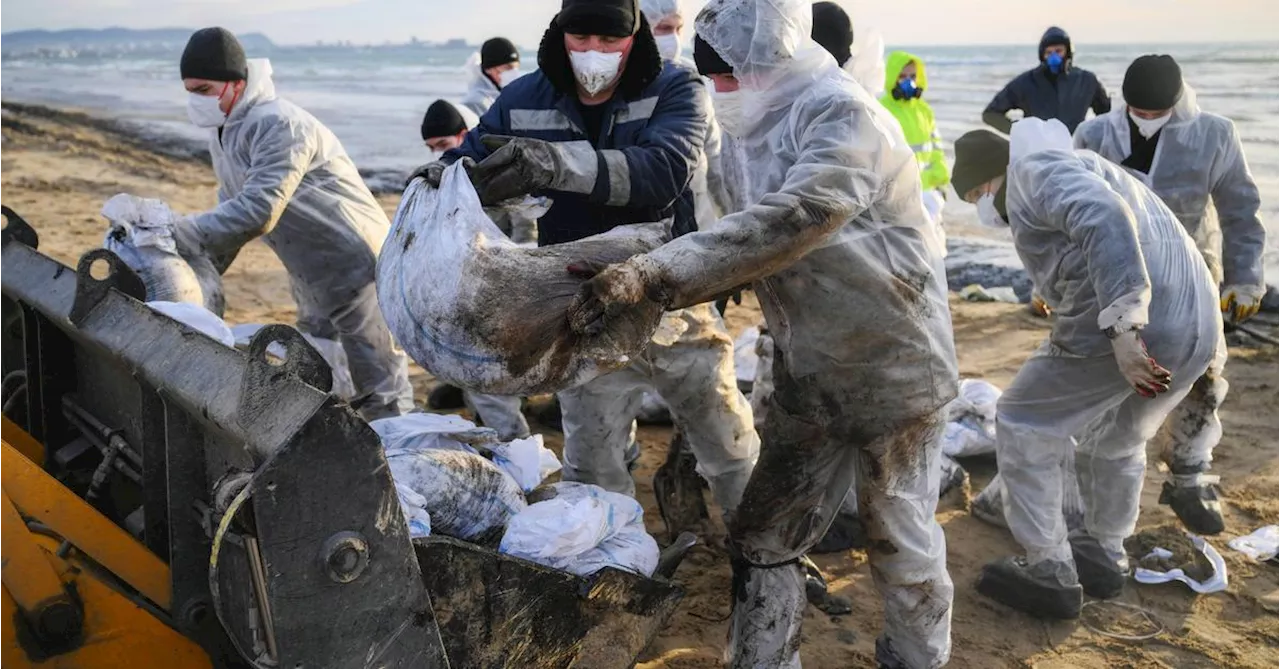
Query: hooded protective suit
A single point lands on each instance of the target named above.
(1200, 172)
(1067, 96)
(710, 197)
(283, 176)
(850, 278)
(481, 91)
(1103, 250)
(921, 129)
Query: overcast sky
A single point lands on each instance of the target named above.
(907, 22)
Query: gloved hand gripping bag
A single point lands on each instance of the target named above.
(480, 312)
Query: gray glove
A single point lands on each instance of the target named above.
(519, 166)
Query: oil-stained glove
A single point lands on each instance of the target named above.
(610, 291)
(1137, 366)
(433, 172)
(1240, 303)
(519, 166)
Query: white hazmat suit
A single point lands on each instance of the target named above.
(851, 282)
(1103, 250)
(283, 176)
(1200, 172)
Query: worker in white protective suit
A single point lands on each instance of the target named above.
(488, 71)
(851, 282)
(284, 177)
(1195, 162)
(1136, 323)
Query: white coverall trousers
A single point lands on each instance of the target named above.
(379, 369)
(1055, 397)
(690, 364)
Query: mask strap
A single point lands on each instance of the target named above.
(234, 97)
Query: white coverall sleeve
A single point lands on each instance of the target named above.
(834, 177)
(1072, 199)
(1235, 196)
(281, 153)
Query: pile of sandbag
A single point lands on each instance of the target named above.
(141, 234)
(458, 480)
(480, 312)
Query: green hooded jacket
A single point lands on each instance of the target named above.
(916, 118)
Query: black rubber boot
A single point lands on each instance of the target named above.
(1101, 573)
(1196, 506)
(1045, 590)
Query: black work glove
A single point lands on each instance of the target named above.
(517, 167)
(433, 172)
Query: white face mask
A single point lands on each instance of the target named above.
(728, 108)
(595, 70)
(668, 46)
(1148, 127)
(204, 112)
(507, 76)
(987, 213)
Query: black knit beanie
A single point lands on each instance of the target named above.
(610, 18)
(442, 120)
(833, 30)
(981, 155)
(498, 51)
(708, 61)
(1153, 83)
(214, 54)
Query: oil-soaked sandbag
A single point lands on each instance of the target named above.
(141, 234)
(480, 312)
(466, 496)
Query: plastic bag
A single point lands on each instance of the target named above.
(141, 234)
(197, 318)
(332, 352)
(414, 507)
(971, 416)
(1217, 582)
(1262, 545)
(480, 312)
(527, 461)
(466, 496)
(582, 529)
(416, 432)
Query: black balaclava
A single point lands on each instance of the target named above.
(442, 120)
(981, 155)
(611, 18)
(1153, 83)
(214, 54)
(498, 51)
(707, 60)
(833, 29)
(1056, 36)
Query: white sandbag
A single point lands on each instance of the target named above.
(745, 359)
(466, 496)
(197, 318)
(1262, 544)
(583, 529)
(480, 312)
(420, 431)
(415, 511)
(976, 397)
(1216, 582)
(332, 352)
(968, 437)
(141, 234)
(527, 461)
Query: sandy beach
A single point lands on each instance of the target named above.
(59, 167)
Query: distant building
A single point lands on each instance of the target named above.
(456, 43)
